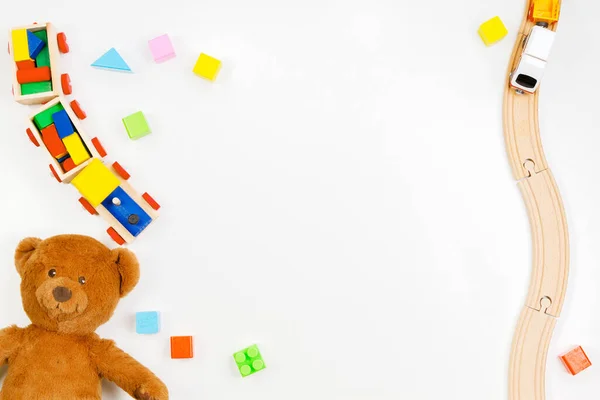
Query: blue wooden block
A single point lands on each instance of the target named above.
(147, 322)
(63, 124)
(36, 45)
(127, 211)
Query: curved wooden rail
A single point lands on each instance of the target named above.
(549, 233)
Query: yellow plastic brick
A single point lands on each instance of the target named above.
(492, 31)
(20, 45)
(76, 149)
(207, 67)
(96, 182)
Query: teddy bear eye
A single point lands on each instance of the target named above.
(52, 273)
(82, 280)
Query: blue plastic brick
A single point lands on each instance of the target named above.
(35, 45)
(127, 211)
(147, 322)
(63, 124)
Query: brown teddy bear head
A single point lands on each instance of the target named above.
(73, 283)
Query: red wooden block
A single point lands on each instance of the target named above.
(182, 347)
(53, 143)
(68, 164)
(576, 360)
(33, 75)
(26, 64)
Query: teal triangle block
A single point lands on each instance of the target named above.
(112, 60)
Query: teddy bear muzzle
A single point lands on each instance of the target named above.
(62, 298)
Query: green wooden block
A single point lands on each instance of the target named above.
(44, 118)
(36, 87)
(249, 361)
(43, 59)
(136, 125)
(42, 34)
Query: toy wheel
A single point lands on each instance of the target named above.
(65, 81)
(76, 107)
(86, 204)
(115, 236)
(32, 138)
(99, 147)
(55, 174)
(121, 171)
(151, 202)
(8, 47)
(63, 46)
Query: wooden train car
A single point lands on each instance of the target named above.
(35, 52)
(56, 126)
(545, 11)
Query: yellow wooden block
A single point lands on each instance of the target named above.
(492, 31)
(207, 67)
(76, 149)
(20, 45)
(96, 182)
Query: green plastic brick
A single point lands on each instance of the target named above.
(43, 59)
(136, 125)
(44, 118)
(36, 87)
(249, 361)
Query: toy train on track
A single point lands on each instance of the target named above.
(74, 158)
(526, 77)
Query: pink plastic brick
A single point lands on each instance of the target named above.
(161, 48)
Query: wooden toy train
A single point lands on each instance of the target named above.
(56, 126)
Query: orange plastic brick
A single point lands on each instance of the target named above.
(26, 64)
(182, 347)
(576, 360)
(53, 143)
(33, 75)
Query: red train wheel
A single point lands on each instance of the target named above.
(99, 147)
(121, 171)
(151, 202)
(115, 236)
(76, 107)
(86, 204)
(63, 46)
(55, 174)
(65, 81)
(32, 138)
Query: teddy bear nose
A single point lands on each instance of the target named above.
(62, 294)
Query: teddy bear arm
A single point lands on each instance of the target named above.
(127, 373)
(10, 341)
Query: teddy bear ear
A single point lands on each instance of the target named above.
(129, 269)
(24, 251)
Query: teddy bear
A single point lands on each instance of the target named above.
(70, 285)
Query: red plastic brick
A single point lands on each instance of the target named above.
(576, 360)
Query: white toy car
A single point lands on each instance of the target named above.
(530, 70)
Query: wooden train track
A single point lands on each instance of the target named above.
(549, 236)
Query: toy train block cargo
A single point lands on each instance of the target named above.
(545, 11)
(56, 126)
(106, 192)
(529, 71)
(37, 47)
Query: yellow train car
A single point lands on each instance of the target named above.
(545, 11)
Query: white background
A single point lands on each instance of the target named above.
(340, 196)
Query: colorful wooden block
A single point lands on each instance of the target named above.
(182, 347)
(34, 75)
(96, 182)
(127, 211)
(25, 64)
(207, 67)
(44, 118)
(36, 87)
(576, 360)
(76, 149)
(492, 31)
(147, 322)
(35, 44)
(112, 60)
(68, 164)
(161, 48)
(20, 47)
(63, 124)
(136, 125)
(53, 143)
(249, 361)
